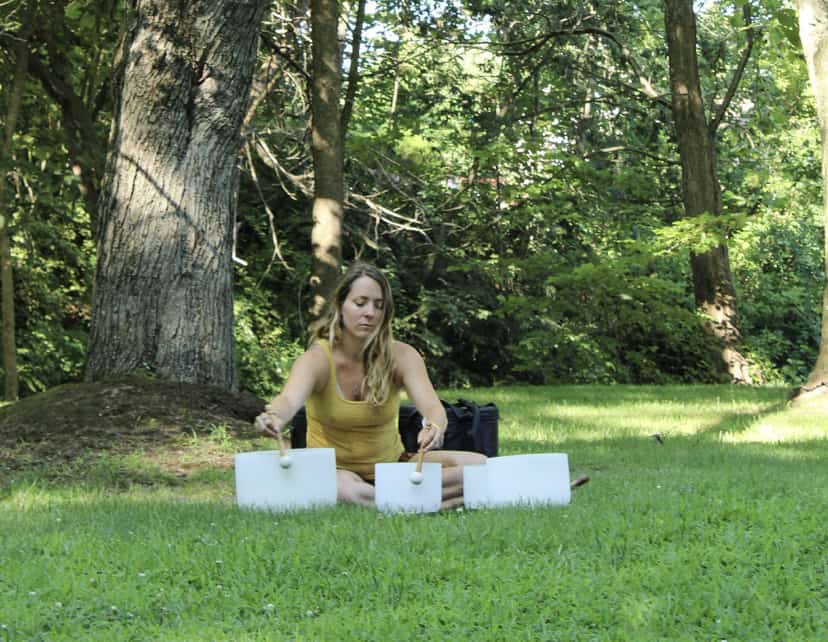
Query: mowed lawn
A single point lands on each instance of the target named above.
(719, 531)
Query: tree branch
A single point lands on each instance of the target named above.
(303, 183)
(268, 75)
(277, 252)
(80, 127)
(632, 150)
(626, 55)
(737, 75)
(273, 47)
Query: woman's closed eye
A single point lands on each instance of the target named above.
(360, 303)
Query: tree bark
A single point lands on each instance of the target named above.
(701, 192)
(11, 381)
(163, 295)
(813, 32)
(327, 151)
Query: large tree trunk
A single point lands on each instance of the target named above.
(701, 192)
(813, 31)
(163, 298)
(326, 147)
(6, 268)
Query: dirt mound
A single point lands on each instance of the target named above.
(124, 415)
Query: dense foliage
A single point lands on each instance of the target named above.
(509, 167)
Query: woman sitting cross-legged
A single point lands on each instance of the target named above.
(350, 379)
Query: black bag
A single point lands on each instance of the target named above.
(470, 427)
(299, 429)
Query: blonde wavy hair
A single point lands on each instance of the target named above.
(377, 355)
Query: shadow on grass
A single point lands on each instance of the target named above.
(619, 413)
(602, 396)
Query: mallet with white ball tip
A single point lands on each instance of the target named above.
(417, 475)
(285, 460)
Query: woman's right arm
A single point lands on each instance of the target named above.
(309, 373)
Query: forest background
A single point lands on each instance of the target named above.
(513, 167)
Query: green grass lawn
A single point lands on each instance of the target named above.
(719, 533)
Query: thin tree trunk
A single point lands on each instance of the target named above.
(163, 297)
(11, 384)
(326, 147)
(49, 63)
(813, 31)
(701, 192)
(353, 68)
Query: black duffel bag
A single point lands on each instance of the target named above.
(471, 427)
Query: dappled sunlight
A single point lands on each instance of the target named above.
(780, 427)
(218, 490)
(639, 608)
(791, 451)
(550, 415)
(557, 422)
(32, 497)
(571, 419)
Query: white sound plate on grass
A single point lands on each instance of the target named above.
(309, 480)
(397, 493)
(536, 479)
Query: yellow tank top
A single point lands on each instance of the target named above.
(361, 434)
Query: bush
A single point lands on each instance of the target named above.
(265, 349)
(779, 273)
(610, 322)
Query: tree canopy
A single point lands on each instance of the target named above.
(514, 167)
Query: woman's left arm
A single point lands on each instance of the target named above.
(413, 375)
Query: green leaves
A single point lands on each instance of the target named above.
(698, 234)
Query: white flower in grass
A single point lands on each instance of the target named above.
(142, 574)
(58, 605)
(32, 593)
(311, 613)
(269, 607)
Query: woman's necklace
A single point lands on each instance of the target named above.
(356, 391)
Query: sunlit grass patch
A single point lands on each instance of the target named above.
(557, 415)
(796, 424)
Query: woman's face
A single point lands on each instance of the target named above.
(363, 309)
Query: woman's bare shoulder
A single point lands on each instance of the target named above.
(406, 358)
(403, 350)
(314, 360)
